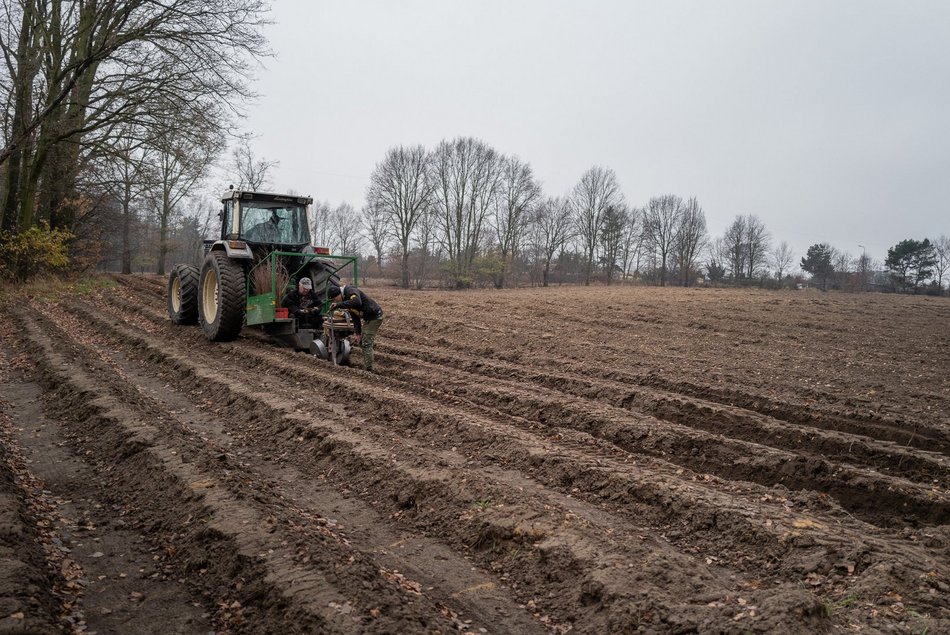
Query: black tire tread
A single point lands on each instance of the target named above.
(231, 298)
(188, 281)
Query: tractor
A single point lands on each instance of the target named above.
(264, 247)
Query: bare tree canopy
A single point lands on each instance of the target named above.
(75, 69)
(782, 259)
(376, 226)
(662, 223)
(252, 173)
(690, 240)
(517, 193)
(597, 191)
(466, 176)
(757, 241)
(401, 187)
(552, 229)
(942, 266)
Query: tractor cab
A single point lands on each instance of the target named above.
(265, 219)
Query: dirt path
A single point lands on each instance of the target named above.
(638, 460)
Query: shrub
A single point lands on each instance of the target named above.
(37, 250)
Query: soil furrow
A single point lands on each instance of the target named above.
(464, 592)
(284, 356)
(555, 359)
(730, 421)
(547, 536)
(216, 521)
(598, 460)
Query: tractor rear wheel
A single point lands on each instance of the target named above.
(183, 295)
(321, 277)
(221, 297)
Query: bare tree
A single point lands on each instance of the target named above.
(466, 176)
(344, 230)
(757, 242)
(552, 228)
(718, 254)
(782, 259)
(517, 192)
(615, 224)
(690, 239)
(425, 245)
(842, 262)
(597, 191)
(632, 240)
(252, 173)
(376, 224)
(662, 223)
(733, 248)
(126, 173)
(942, 251)
(864, 266)
(320, 227)
(182, 158)
(401, 185)
(80, 68)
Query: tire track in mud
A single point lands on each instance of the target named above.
(225, 535)
(586, 477)
(487, 604)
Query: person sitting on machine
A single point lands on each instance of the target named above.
(302, 303)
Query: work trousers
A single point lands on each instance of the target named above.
(370, 329)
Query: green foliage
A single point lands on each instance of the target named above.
(487, 268)
(715, 272)
(911, 262)
(37, 250)
(830, 608)
(818, 262)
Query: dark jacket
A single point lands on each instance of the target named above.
(295, 302)
(361, 306)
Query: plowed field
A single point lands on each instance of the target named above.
(587, 460)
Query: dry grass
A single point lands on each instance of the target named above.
(261, 279)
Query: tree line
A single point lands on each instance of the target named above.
(117, 114)
(465, 214)
(109, 104)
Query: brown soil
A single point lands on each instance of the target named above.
(526, 461)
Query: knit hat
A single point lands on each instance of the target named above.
(333, 291)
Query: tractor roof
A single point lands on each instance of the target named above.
(266, 196)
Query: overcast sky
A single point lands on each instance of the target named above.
(828, 119)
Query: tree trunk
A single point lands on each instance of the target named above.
(126, 222)
(404, 265)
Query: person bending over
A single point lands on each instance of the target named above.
(367, 317)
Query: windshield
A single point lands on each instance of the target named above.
(274, 222)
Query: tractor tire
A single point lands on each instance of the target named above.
(182, 295)
(221, 297)
(321, 277)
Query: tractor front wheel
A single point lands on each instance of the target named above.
(221, 297)
(183, 295)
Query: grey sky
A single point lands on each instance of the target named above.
(830, 120)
